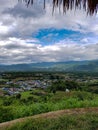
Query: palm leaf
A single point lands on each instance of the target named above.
(91, 6)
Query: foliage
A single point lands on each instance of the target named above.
(63, 85)
(18, 96)
(12, 108)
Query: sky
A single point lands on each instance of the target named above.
(33, 34)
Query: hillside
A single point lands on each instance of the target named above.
(69, 66)
(71, 116)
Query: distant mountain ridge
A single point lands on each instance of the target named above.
(68, 66)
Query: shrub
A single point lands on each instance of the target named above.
(18, 96)
(6, 114)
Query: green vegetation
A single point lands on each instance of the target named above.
(40, 101)
(48, 92)
(63, 85)
(66, 122)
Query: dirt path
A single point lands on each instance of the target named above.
(53, 114)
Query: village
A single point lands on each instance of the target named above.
(12, 88)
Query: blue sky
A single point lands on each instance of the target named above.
(33, 34)
(52, 35)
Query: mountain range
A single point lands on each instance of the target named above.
(68, 66)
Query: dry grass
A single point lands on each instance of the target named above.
(56, 114)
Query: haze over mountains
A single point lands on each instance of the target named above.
(68, 66)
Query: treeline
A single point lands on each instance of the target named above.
(14, 75)
(34, 75)
(60, 85)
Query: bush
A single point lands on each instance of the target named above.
(18, 96)
(5, 114)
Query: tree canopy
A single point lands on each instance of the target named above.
(91, 6)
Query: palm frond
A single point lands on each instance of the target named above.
(91, 6)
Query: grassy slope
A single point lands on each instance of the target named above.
(73, 119)
(37, 104)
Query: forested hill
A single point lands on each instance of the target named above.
(69, 66)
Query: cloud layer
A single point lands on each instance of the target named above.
(19, 24)
(17, 51)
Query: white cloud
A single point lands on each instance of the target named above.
(17, 23)
(3, 29)
(31, 19)
(16, 51)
